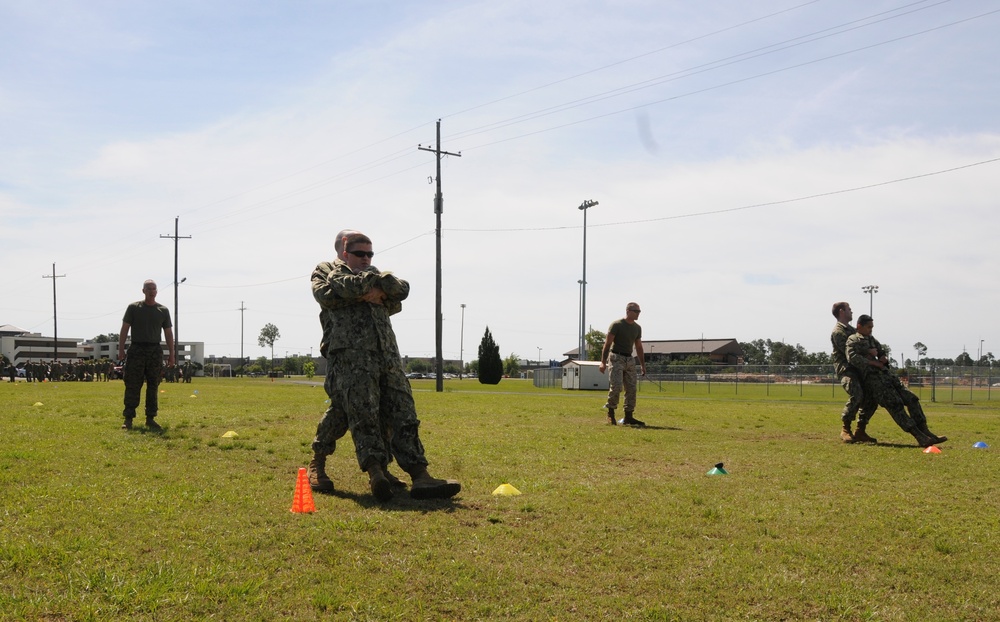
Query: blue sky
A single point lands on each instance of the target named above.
(753, 164)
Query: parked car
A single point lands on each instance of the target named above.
(414, 375)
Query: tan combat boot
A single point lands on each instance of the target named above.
(861, 436)
(846, 435)
(318, 479)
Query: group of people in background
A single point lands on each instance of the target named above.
(81, 371)
(101, 370)
(862, 365)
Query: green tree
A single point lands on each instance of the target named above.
(268, 335)
(921, 351)
(781, 353)
(293, 365)
(490, 363)
(510, 365)
(472, 367)
(754, 352)
(106, 338)
(963, 359)
(309, 369)
(419, 366)
(595, 343)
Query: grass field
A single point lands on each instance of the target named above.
(614, 523)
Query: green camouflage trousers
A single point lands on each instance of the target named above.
(890, 393)
(859, 403)
(622, 373)
(143, 363)
(372, 391)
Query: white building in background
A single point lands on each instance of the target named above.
(21, 346)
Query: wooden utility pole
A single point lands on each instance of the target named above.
(55, 315)
(177, 283)
(438, 208)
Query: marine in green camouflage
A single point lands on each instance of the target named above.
(144, 364)
(882, 385)
(857, 405)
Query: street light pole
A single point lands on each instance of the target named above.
(539, 355)
(579, 318)
(583, 291)
(871, 290)
(461, 346)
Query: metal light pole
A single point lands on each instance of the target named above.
(242, 308)
(579, 317)
(539, 355)
(871, 290)
(583, 292)
(461, 346)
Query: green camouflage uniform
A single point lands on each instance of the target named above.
(882, 385)
(365, 378)
(144, 359)
(850, 379)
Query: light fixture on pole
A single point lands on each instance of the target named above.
(461, 346)
(871, 290)
(583, 282)
(539, 355)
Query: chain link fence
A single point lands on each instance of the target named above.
(937, 384)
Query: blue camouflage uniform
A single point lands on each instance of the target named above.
(365, 378)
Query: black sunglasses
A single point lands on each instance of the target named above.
(367, 254)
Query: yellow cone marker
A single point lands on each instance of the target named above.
(38, 404)
(230, 434)
(506, 490)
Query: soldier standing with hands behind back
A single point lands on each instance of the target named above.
(145, 318)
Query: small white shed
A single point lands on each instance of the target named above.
(584, 375)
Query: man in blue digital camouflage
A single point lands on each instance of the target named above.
(333, 425)
(868, 357)
(368, 378)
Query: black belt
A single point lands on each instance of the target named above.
(620, 354)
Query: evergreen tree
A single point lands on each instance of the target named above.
(490, 363)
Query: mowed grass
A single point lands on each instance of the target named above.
(614, 523)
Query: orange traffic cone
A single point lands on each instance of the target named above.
(302, 502)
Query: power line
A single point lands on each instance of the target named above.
(743, 207)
